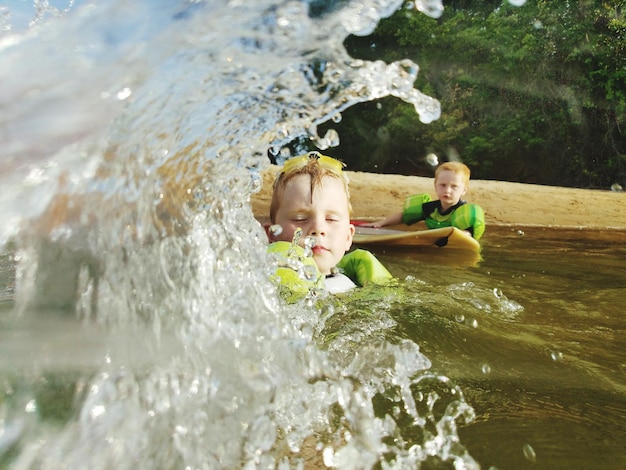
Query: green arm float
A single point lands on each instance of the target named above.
(412, 210)
(296, 274)
(469, 217)
(362, 267)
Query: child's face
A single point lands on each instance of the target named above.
(324, 214)
(450, 187)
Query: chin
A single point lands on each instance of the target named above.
(322, 266)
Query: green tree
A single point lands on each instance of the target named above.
(531, 94)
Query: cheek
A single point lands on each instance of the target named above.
(350, 234)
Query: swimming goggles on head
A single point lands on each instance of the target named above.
(329, 163)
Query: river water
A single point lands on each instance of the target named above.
(139, 328)
(534, 335)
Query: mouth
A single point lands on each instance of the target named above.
(318, 249)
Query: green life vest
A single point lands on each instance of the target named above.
(463, 216)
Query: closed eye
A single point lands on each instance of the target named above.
(333, 218)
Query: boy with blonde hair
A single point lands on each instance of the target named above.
(310, 217)
(449, 210)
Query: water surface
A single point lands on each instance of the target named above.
(534, 335)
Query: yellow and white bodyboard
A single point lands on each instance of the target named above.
(448, 237)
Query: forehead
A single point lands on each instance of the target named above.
(449, 176)
(329, 189)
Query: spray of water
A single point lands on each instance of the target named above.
(132, 137)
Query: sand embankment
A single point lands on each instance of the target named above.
(505, 204)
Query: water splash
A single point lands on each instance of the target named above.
(129, 161)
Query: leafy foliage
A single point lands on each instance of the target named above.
(532, 94)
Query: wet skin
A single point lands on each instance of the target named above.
(323, 214)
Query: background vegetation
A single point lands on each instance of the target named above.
(533, 94)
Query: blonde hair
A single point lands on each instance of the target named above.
(455, 167)
(317, 173)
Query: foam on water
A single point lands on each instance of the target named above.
(132, 134)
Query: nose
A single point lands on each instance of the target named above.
(318, 226)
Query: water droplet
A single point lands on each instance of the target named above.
(556, 355)
(520, 233)
(331, 138)
(31, 406)
(459, 318)
(275, 229)
(274, 151)
(329, 456)
(486, 369)
(432, 9)
(256, 182)
(309, 243)
(474, 323)
(517, 3)
(124, 93)
(529, 453)
(295, 242)
(297, 235)
(616, 187)
(432, 159)
(97, 411)
(328, 311)
(310, 272)
(337, 118)
(497, 293)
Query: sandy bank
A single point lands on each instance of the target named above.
(505, 204)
